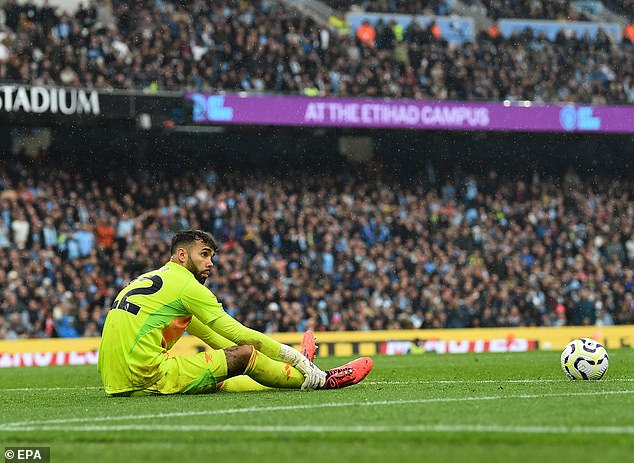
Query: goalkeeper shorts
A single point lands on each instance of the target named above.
(193, 374)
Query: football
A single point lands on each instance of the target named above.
(584, 358)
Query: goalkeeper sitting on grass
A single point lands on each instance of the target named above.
(154, 310)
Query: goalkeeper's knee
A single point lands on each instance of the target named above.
(239, 359)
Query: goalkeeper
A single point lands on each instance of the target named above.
(154, 310)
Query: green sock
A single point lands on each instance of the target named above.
(272, 373)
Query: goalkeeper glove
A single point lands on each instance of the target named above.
(314, 378)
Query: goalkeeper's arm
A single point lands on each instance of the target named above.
(207, 335)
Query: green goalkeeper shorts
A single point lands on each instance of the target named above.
(195, 374)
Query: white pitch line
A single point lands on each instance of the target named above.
(491, 381)
(45, 389)
(230, 411)
(339, 429)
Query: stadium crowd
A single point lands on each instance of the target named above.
(470, 251)
(559, 10)
(323, 250)
(262, 46)
(433, 7)
(623, 7)
(495, 9)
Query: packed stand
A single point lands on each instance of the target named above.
(560, 10)
(622, 7)
(557, 10)
(261, 46)
(433, 7)
(462, 252)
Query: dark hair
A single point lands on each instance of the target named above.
(185, 237)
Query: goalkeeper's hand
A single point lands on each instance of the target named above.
(314, 378)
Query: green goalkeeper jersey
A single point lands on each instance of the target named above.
(146, 319)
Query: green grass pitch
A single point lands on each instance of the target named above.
(446, 408)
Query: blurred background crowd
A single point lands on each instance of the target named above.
(328, 248)
(337, 249)
(268, 47)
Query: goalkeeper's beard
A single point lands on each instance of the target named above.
(189, 265)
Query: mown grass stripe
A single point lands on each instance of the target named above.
(365, 383)
(229, 411)
(502, 429)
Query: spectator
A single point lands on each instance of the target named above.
(339, 22)
(366, 33)
(493, 32)
(105, 232)
(20, 228)
(628, 32)
(5, 242)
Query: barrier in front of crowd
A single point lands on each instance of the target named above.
(454, 29)
(56, 106)
(551, 28)
(84, 351)
(42, 106)
(366, 113)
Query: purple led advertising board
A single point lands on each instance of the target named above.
(406, 114)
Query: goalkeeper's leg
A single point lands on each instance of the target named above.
(245, 360)
(241, 383)
(244, 383)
